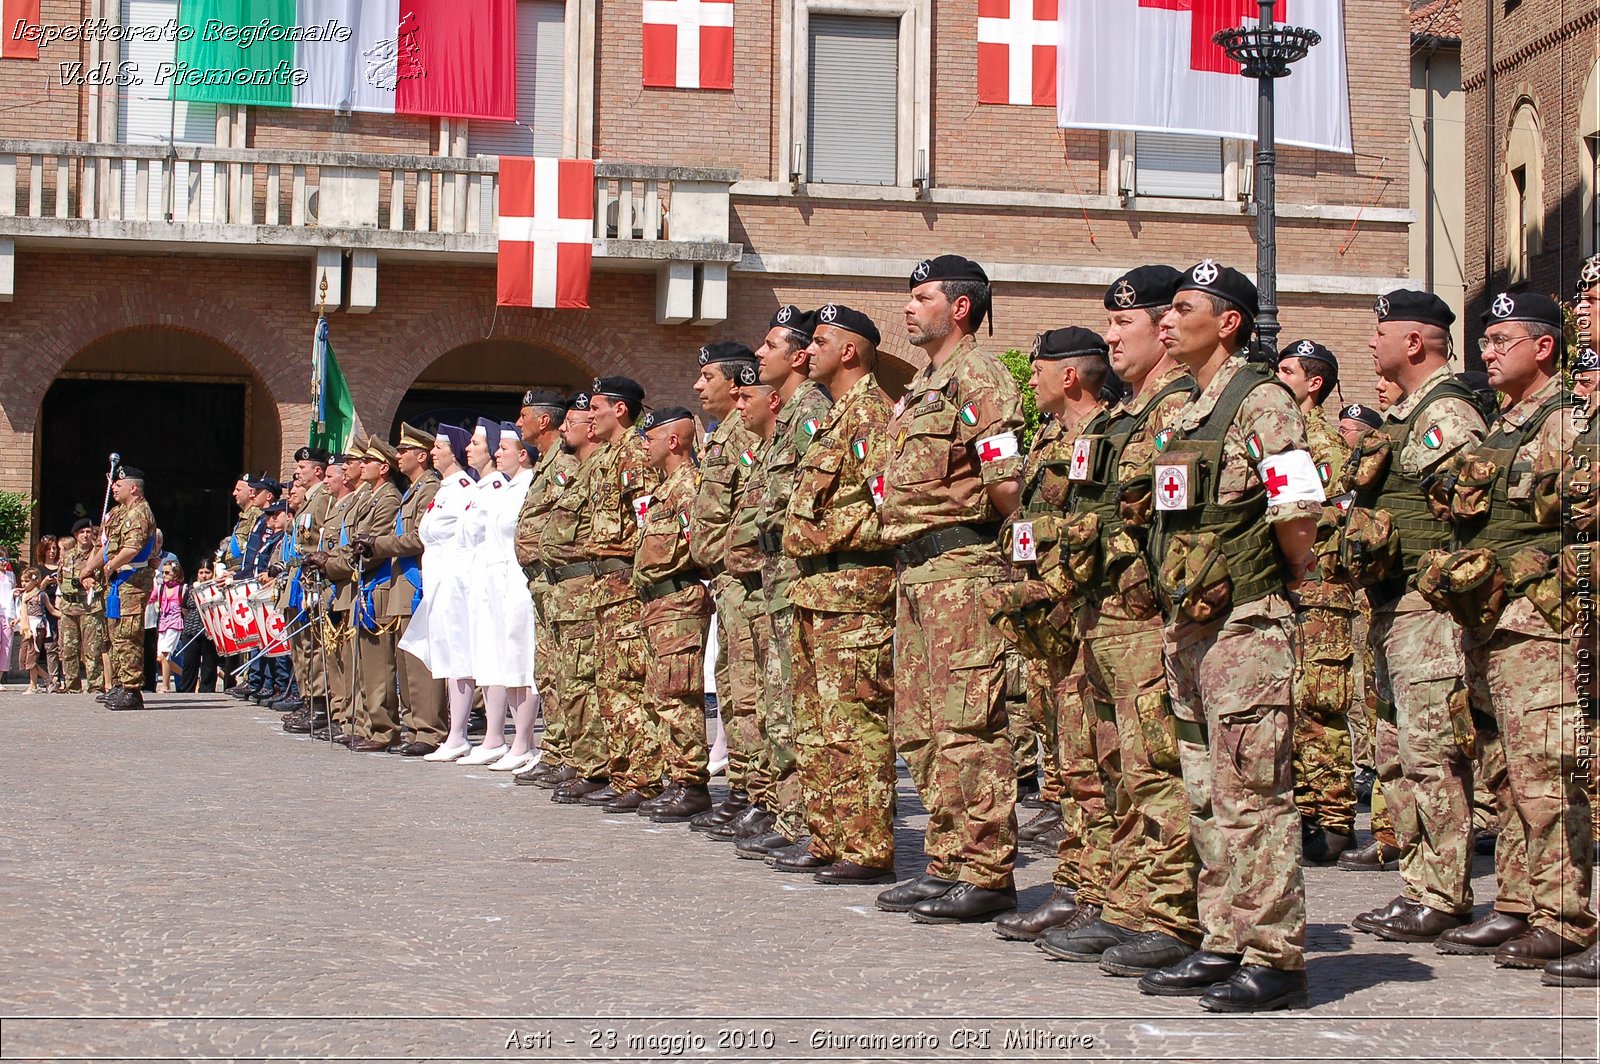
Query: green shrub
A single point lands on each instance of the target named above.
(1017, 362)
(16, 519)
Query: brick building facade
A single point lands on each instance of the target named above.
(727, 221)
(1531, 76)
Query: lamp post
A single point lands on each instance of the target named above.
(1265, 52)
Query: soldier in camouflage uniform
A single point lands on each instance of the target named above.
(676, 619)
(1418, 663)
(1237, 498)
(619, 491)
(1069, 369)
(309, 516)
(1325, 607)
(1503, 499)
(339, 632)
(1148, 917)
(561, 544)
(722, 481)
(540, 424)
(747, 627)
(317, 527)
(952, 476)
(783, 364)
(843, 616)
(124, 566)
(83, 622)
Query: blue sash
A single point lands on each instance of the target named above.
(366, 612)
(291, 553)
(235, 551)
(410, 568)
(114, 592)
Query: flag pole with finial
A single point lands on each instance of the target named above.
(318, 407)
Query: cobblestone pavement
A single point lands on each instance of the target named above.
(190, 882)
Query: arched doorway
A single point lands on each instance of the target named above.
(484, 379)
(178, 405)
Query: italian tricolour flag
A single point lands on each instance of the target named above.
(450, 58)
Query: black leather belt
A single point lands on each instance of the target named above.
(560, 574)
(925, 548)
(74, 598)
(670, 586)
(717, 569)
(606, 566)
(533, 571)
(772, 542)
(751, 581)
(839, 561)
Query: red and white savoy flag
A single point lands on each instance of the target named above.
(688, 44)
(1017, 52)
(1151, 65)
(19, 20)
(546, 232)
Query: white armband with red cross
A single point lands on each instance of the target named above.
(997, 448)
(1291, 477)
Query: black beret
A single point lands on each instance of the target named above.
(80, 524)
(1146, 286)
(842, 317)
(579, 401)
(127, 472)
(1311, 349)
(1070, 342)
(625, 388)
(1225, 282)
(1588, 361)
(727, 351)
(311, 454)
(1589, 276)
(1524, 306)
(1405, 304)
(1364, 414)
(947, 268)
(787, 316)
(543, 398)
(665, 416)
(749, 376)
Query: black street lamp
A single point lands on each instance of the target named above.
(1265, 52)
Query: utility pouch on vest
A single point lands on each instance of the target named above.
(1194, 580)
(1055, 574)
(1469, 585)
(1544, 498)
(1019, 610)
(1463, 493)
(1370, 458)
(1369, 547)
(1080, 547)
(1135, 502)
(1461, 724)
(1579, 567)
(1127, 575)
(1539, 576)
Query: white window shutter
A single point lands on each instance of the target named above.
(146, 114)
(1177, 164)
(541, 54)
(852, 134)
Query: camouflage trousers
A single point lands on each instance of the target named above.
(1026, 727)
(784, 798)
(1231, 690)
(633, 740)
(127, 638)
(949, 724)
(576, 705)
(1365, 699)
(675, 630)
(83, 643)
(843, 690)
(1324, 770)
(1090, 768)
(1529, 681)
(1049, 742)
(740, 675)
(1154, 888)
(1418, 669)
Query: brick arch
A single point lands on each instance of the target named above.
(578, 338)
(103, 314)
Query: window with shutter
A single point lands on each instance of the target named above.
(145, 114)
(1177, 164)
(541, 54)
(853, 134)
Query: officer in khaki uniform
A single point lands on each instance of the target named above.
(83, 622)
(316, 528)
(421, 696)
(124, 566)
(376, 714)
(311, 473)
(952, 476)
(1325, 606)
(783, 365)
(619, 491)
(540, 424)
(722, 481)
(675, 619)
(1418, 662)
(337, 565)
(1501, 581)
(1069, 371)
(1236, 498)
(843, 603)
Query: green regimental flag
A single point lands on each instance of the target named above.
(335, 411)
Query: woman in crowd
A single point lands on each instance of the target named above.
(169, 624)
(502, 614)
(47, 559)
(437, 634)
(199, 658)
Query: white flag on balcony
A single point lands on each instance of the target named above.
(1151, 65)
(546, 232)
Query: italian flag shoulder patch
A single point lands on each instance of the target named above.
(1433, 439)
(1163, 438)
(969, 414)
(811, 426)
(858, 450)
(1252, 447)
(748, 458)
